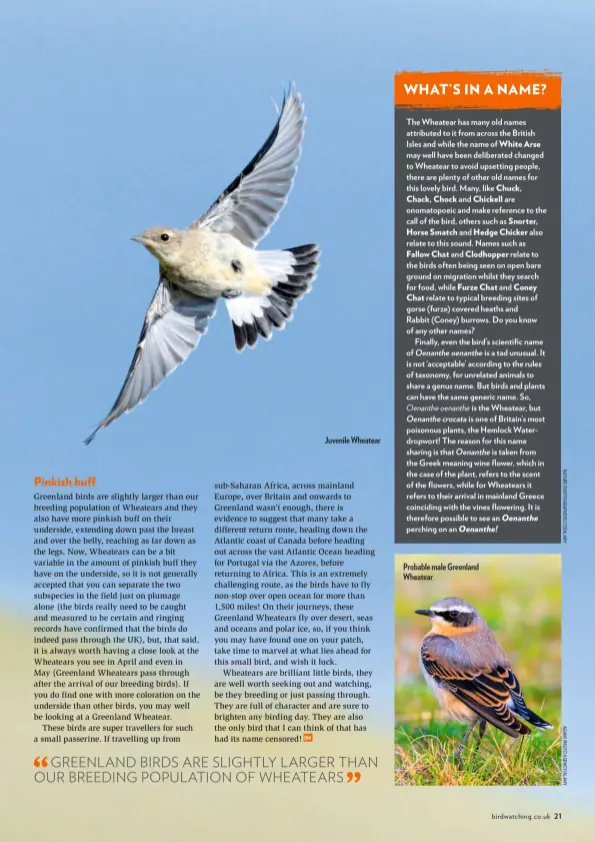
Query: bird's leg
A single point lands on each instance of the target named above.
(461, 745)
(480, 733)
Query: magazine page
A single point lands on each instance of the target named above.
(296, 443)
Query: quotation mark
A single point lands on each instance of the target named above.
(353, 777)
(40, 761)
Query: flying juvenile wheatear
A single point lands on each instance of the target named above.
(469, 673)
(215, 258)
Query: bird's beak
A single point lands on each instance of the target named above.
(139, 239)
(424, 611)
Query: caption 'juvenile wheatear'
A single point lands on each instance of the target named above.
(469, 674)
(215, 258)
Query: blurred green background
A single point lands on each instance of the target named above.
(520, 598)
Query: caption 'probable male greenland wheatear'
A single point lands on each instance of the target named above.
(215, 258)
(469, 674)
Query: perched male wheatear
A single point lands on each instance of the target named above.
(215, 258)
(469, 673)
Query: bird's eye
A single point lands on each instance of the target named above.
(452, 615)
(164, 237)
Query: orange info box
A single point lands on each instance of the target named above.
(459, 89)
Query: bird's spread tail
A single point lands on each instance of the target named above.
(292, 272)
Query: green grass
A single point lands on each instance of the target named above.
(426, 757)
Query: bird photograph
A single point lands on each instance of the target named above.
(216, 258)
(477, 693)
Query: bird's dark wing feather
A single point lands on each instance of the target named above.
(252, 202)
(173, 325)
(486, 690)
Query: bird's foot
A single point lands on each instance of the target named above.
(458, 755)
(462, 744)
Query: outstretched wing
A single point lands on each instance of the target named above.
(253, 201)
(174, 323)
(485, 690)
